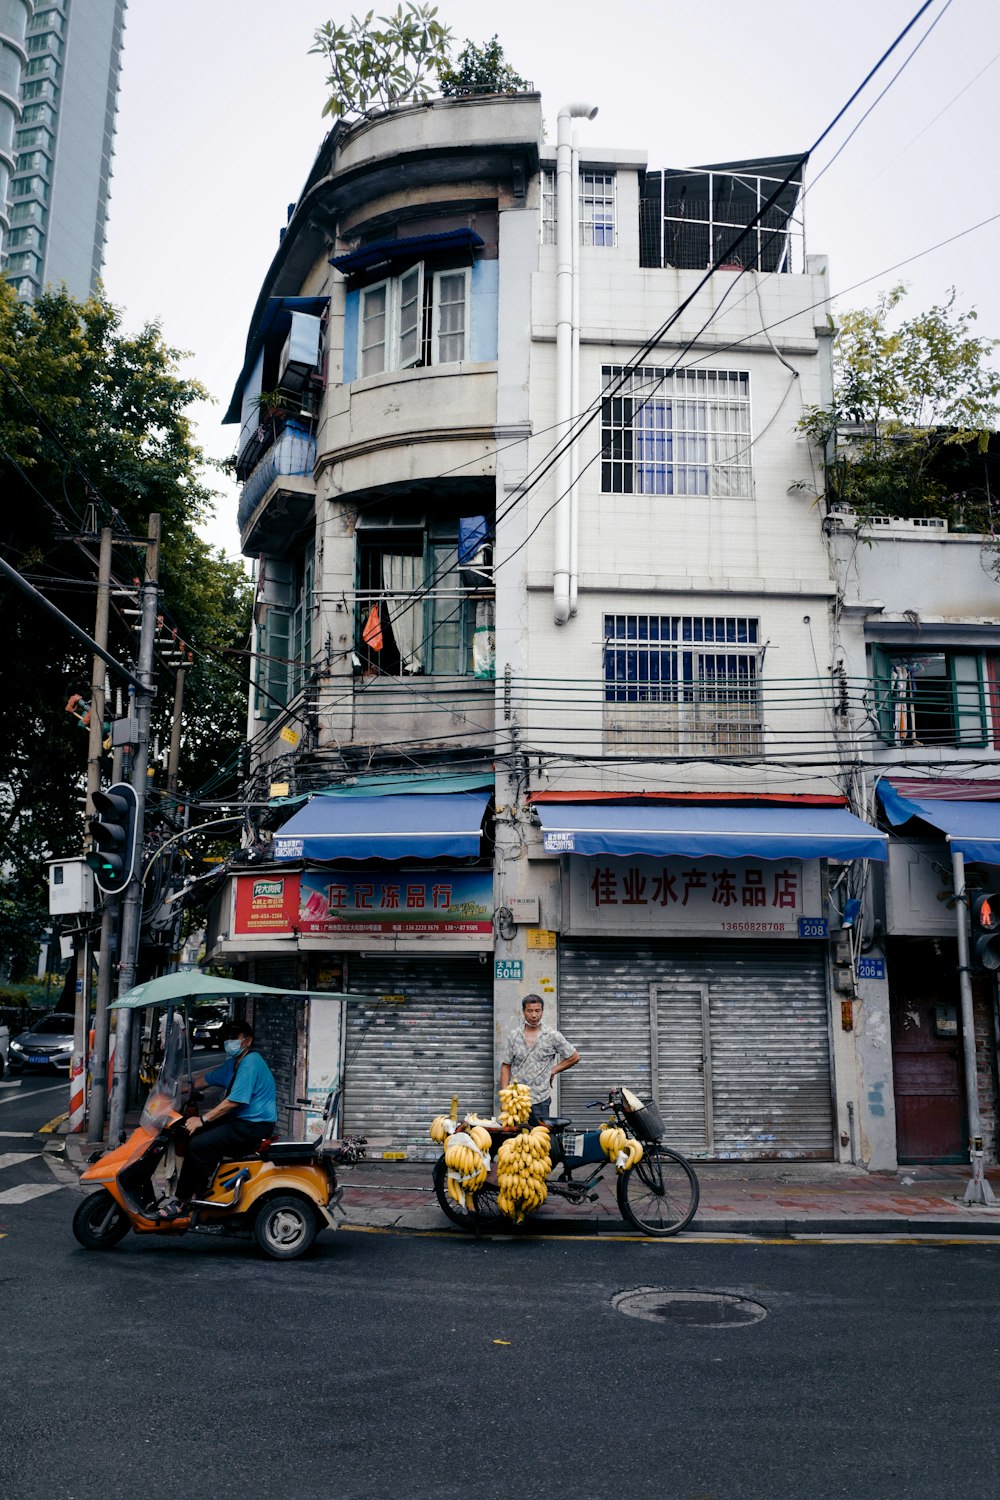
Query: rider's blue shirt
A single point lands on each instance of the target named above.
(253, 1093)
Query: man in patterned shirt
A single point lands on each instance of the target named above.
(534, 1054)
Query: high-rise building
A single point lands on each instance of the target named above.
(14, 15)
(57, 197)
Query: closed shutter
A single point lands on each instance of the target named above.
(406, 1057)
(604, 1014)
(740, 1041)
(278, 1026)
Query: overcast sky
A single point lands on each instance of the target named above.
(220, 118)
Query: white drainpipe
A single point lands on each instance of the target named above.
(574, 387)
(566, 232)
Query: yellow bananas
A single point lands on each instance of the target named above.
(515, 1104)
(523, 1164)
(620, 1147)
(467, 1160)
(441, 1129)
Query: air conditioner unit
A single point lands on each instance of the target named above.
(301, 352)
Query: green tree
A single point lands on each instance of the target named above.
(915, 401)
(396, 61)
(481, 70)
(94, 430)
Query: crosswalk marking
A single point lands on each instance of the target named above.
(17, 1135)
(27, 1191)
(11, 1158)
(13, 1083)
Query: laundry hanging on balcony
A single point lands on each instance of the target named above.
(372, 633)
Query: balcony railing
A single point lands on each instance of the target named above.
(714, 728)
(292, 452)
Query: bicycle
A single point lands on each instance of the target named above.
(659, 1196)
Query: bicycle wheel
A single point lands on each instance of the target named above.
(660, 1195)
(486, 1212)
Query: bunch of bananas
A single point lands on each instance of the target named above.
(515, 1104)
(466, 1156)
(441, 1128)
(523, 1163)
(620, 1148)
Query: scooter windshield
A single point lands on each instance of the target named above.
(173, 1084)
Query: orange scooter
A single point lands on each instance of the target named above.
(281, 1196)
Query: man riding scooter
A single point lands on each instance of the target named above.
(235, 1126)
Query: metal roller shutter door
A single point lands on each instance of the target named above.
(740, 1032)
(278, 1026)
(404, 1060)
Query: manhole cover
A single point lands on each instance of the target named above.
(690, 1309)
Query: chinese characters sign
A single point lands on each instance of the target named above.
(365, 901)
(753, 898)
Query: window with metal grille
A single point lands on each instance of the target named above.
(415, 613)
(676, 432)
(548, 206)
(682, 684)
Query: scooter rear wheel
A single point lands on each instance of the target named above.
(100, 1222)
(285, 1227)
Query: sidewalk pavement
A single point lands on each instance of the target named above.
(773, 1199)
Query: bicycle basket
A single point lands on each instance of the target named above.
(646, 1123)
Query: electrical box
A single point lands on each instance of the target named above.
(71, 887)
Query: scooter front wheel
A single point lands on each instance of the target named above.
(100, 1222)
(285, 1227)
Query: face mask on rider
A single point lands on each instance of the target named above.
(233, 1046)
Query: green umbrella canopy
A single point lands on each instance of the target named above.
(190, 984)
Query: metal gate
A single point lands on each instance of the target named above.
(732, 1039)
(278, 1036)
(429, 1036)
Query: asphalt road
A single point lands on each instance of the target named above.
(391, 1366)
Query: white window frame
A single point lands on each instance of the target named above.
(437, 334)
(588, 201)
(386, 342)
(394, 357)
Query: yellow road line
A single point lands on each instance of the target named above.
(672, 1241)
(53, 1124)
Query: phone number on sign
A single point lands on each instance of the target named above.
(754, 927)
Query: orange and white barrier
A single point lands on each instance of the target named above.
(77, 1094)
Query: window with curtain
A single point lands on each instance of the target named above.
(932, 697)
(415, 614)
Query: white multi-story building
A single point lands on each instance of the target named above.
(545, 633)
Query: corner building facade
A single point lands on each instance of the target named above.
(543, 623)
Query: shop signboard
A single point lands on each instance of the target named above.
(678, 897)
(366, 902)
(266, 903)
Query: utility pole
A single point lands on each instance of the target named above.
(132, 901)
(99, 1063)
(174, 756)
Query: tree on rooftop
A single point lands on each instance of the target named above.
(915, 401)
(481, 70)
(396, 61)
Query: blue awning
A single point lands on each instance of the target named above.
(708, 831)
(442, 826)
(412, 247)
(971, 828)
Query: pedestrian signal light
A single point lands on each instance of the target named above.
(985, 911)
(113, 834)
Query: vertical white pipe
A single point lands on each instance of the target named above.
(565, 233)
(574, 382)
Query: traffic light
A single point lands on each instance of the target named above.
(985, 913)
(113, 831)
